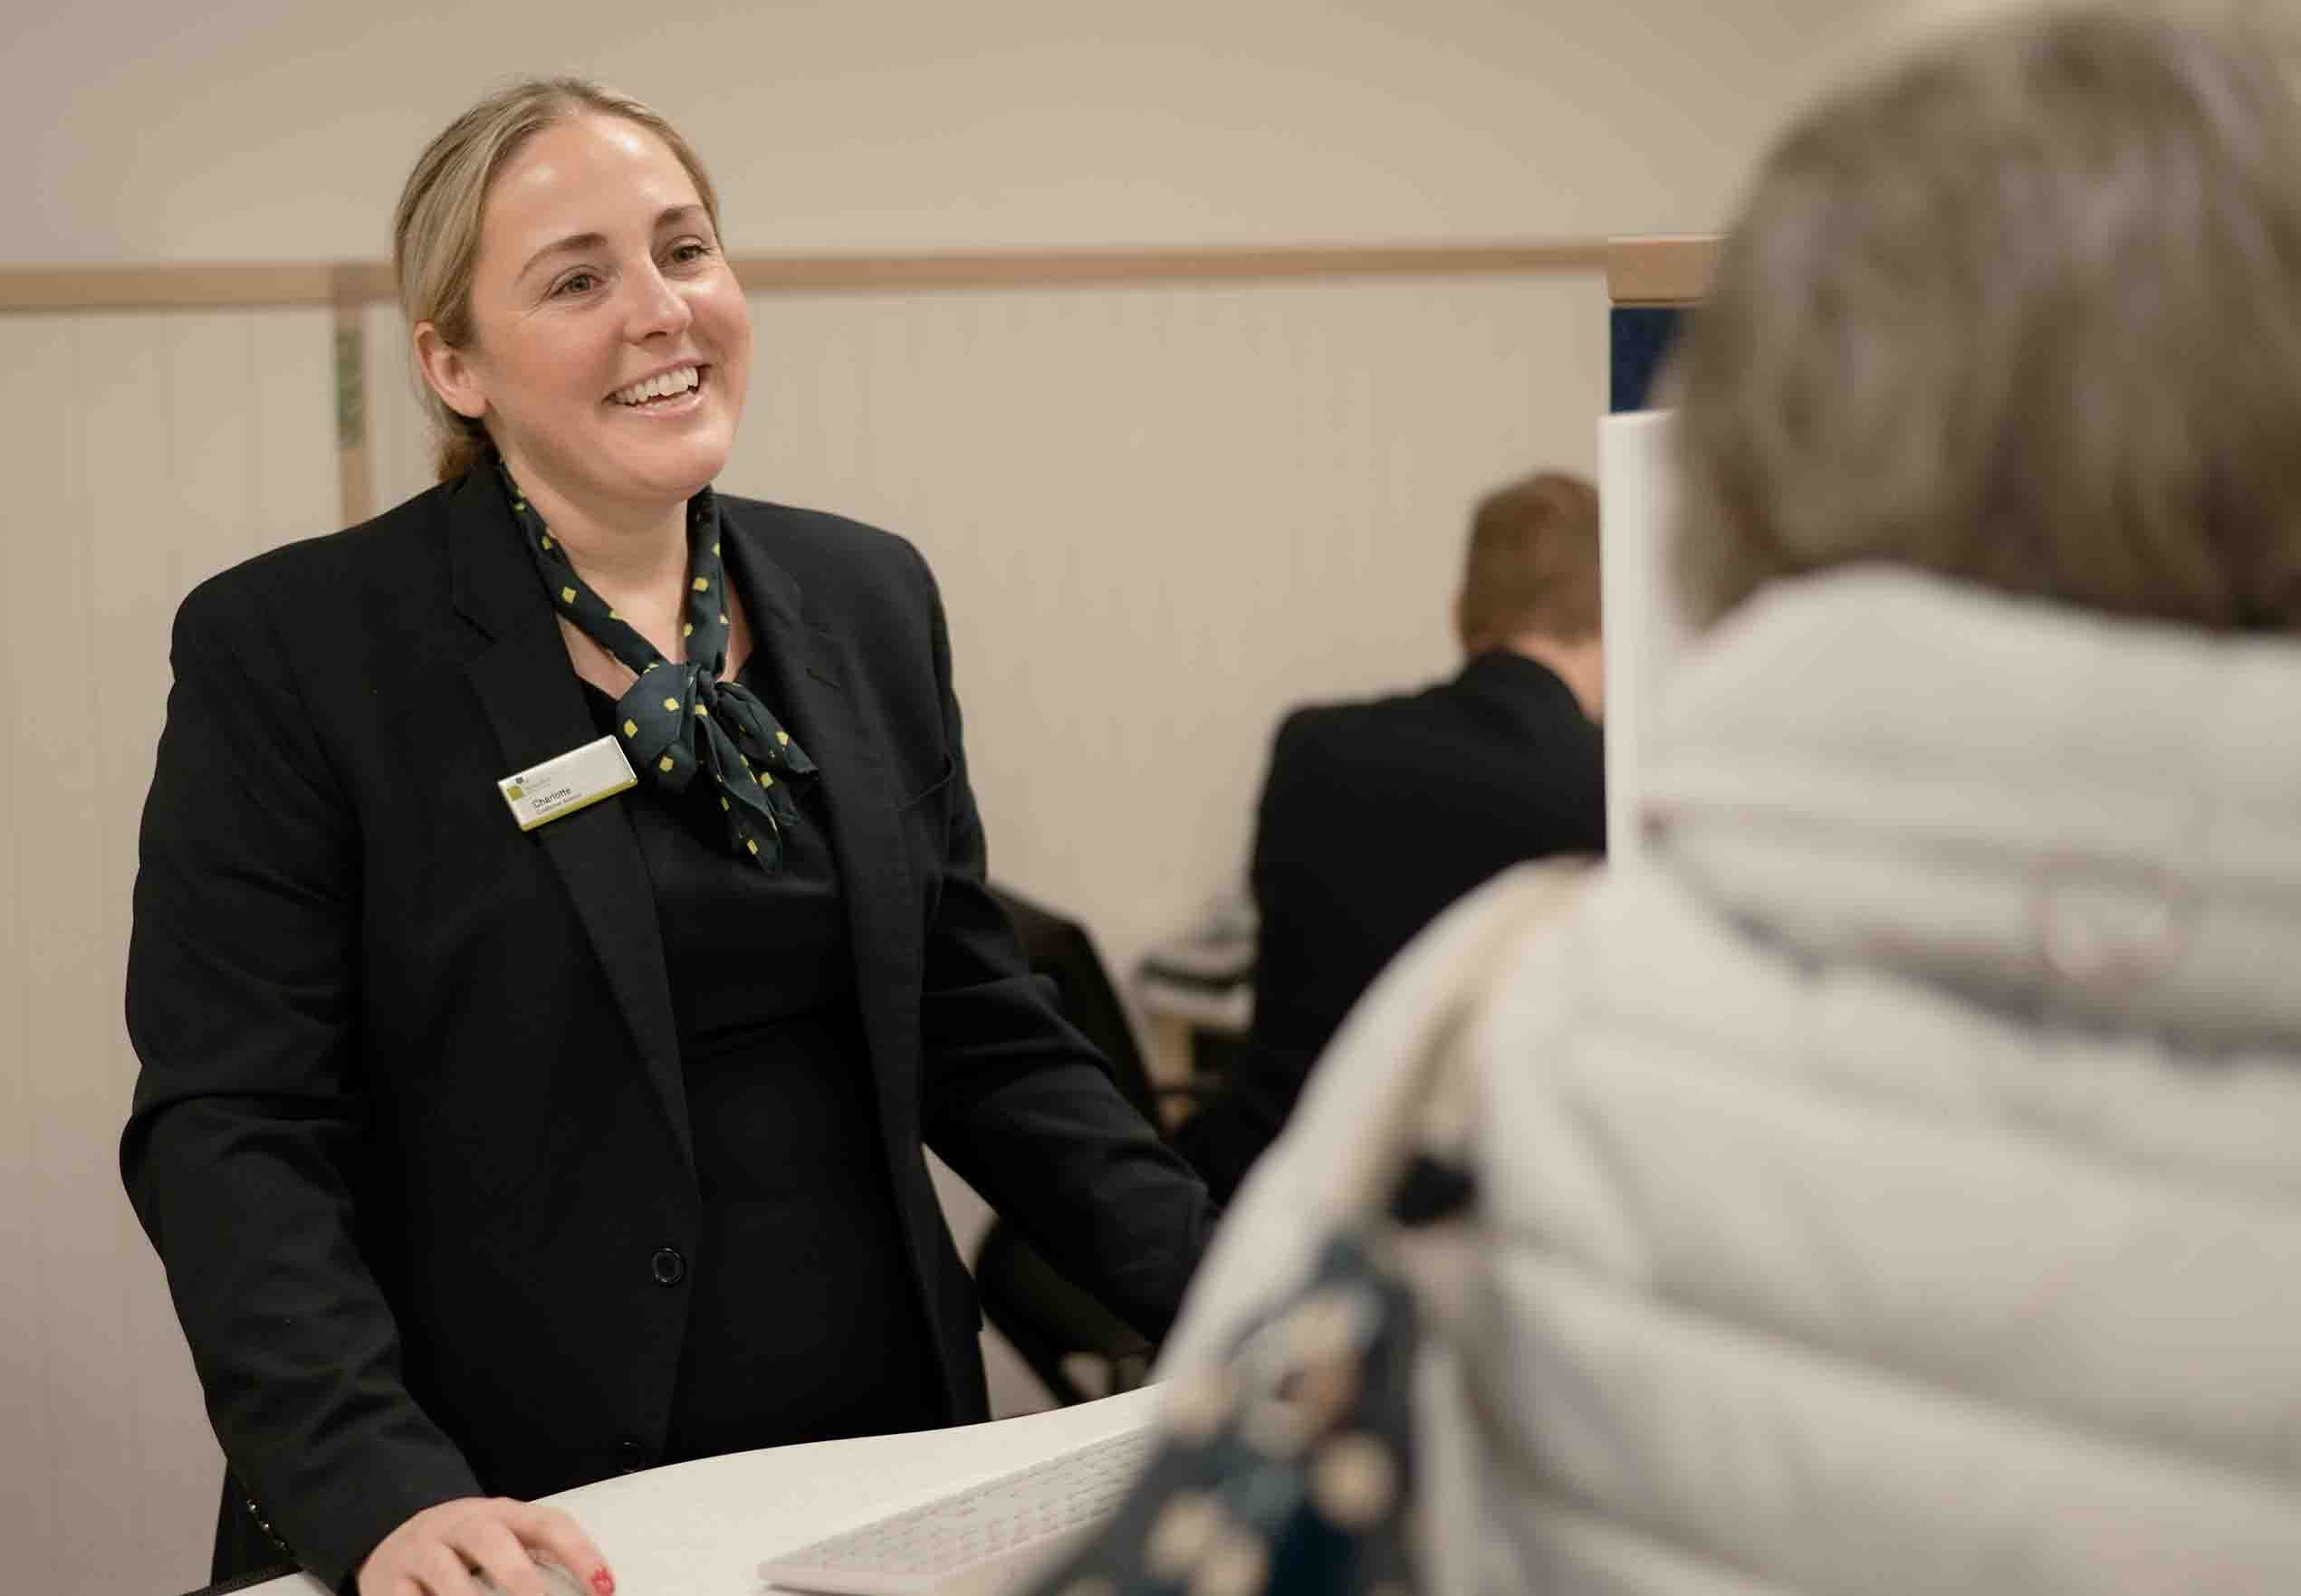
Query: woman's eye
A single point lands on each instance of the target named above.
(689, 252)
(576, 282)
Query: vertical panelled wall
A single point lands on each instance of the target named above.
(145, 452)
(1162, 516)
(1159, 516)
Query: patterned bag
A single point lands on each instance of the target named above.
(1292, 1465)
(1289, 1468)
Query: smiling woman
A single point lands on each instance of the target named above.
(440, 224)
(597, 277)
(562, 930)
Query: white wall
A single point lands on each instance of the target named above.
(281, 129)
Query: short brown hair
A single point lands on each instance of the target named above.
(1532, 565)
(2024, 311)
(435, 228)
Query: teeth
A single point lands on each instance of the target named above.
(677, 382)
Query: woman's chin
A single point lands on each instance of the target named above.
(673, 468)
(633, 468)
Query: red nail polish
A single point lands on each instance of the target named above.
(603, 1582)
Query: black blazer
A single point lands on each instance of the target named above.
(1375, 816)
(412, 1135)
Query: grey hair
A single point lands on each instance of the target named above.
(2025, 310)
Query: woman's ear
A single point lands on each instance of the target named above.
(448, 373)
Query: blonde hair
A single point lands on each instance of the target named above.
(2024, 311)
(435, 227)
(1532, 563)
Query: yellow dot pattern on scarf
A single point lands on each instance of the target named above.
(719, 744)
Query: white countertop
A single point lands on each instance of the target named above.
(702, 1529)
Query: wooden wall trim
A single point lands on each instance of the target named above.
(1089, 268)
(53, 289)
(362, 283)
(162, 288)
(1660, 270)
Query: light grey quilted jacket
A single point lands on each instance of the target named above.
(1893, 1184)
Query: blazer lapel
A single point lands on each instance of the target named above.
(816, 692)
(534, 702)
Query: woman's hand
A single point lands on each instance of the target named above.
(434, 1553)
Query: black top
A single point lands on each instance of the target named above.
(802, 1324)
(1375, 816)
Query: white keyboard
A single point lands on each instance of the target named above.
(984, 1537)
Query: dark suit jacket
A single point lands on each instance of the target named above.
(411, 1133)
(1376, 817)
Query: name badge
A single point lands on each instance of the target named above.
(578, 777)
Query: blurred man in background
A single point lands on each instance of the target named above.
(1377, 815)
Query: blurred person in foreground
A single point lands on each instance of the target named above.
(502, 1125)
(1377, 815)
(1893, 1182)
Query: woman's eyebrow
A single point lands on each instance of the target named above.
(575, 243)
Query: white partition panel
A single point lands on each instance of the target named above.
(1645, 631)
(149, 451)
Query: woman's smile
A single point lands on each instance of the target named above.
(675, 391)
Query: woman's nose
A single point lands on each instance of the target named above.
(657, 308)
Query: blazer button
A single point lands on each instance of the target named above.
(670, 1268)
(629, 1456)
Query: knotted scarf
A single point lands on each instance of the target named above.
(679, 719)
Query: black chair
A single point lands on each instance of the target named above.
(1045, 1317)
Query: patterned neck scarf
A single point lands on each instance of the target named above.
(679, 719)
